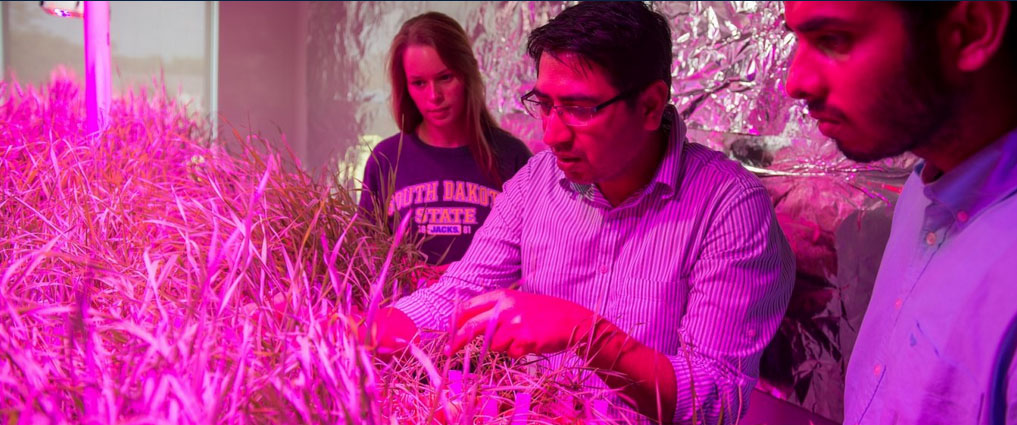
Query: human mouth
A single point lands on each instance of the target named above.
(822, 111)
(439, 112)
(823, 117)
(566, 162)
(826, 122)
(827, 127)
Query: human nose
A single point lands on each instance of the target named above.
(556, 133)
(435, 92)
(804, 77)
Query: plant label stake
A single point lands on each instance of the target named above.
(521, 409)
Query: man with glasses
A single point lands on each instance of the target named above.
(656, 262)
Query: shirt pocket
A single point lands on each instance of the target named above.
(660, 285)
(565, 283)
(650, 309)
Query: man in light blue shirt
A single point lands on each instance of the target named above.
(938, 80)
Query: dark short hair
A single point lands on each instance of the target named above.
(627, 39)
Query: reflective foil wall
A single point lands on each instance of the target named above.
(730, 64)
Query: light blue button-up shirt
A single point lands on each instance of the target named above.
(945, 292)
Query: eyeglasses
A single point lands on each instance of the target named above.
(570, 115)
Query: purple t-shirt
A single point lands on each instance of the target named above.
(443, 190)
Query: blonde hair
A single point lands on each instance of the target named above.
(448, 38)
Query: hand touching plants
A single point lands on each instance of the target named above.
(520, 323)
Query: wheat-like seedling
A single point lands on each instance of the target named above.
(152, 275)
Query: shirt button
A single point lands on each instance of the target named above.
(930, 238)
(877, 369)
(603, 269)
(751, 333)
(898, 304)
(962, 216)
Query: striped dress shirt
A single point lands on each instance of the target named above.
(693, 265)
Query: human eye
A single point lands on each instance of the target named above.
(417, 83)
(445, 78)
(543, 106)
(577, 112)
(833, 42)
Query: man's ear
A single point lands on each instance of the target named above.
(975, 31)
(651, 103)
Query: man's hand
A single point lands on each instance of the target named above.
(390, 333)
(519, 323)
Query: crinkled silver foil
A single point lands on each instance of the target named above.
(729, 75)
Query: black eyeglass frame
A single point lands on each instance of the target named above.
(527, 99)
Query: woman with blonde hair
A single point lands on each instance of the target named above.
(450, 158)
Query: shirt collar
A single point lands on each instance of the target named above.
(979, 181)
(669, 170)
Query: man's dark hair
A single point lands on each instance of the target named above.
(1009, 47)
(630, 41)
(922, 18)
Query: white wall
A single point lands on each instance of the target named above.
(146, 37)
(263, 70)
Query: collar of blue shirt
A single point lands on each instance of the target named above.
(980, 181)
